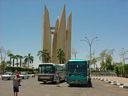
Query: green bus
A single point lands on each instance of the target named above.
(77, 72)
(49, 72)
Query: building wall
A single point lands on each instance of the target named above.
(61, 36)
(46, 31)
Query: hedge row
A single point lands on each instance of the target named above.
(121, 70)
(29, 70)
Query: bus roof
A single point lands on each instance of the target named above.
(45, 63)
(51, 64)
(76, 60)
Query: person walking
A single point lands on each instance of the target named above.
(18, 76)
(16, 86)
(58, 79)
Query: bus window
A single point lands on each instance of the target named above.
(75, 67)
(46, 69)
(77, 72)
(48, 72)
(49, 69)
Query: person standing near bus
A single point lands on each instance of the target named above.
(16, 86)
(18, 76)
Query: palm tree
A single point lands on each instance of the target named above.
(13, 58)
(61, 56)
(44, 55)
(17, 57)
(10, 55)
(20, 57)
(40, 54)
(28, 59)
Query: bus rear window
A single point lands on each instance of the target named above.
(77, 67)
(46, 69)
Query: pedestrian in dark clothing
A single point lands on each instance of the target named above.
(16, 86)
(18, 76)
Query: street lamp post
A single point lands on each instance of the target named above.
(123, 54)
(89, 42)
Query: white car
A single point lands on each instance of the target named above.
(24, 75)
(7, 76)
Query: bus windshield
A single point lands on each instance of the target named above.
(77, 67)
(46, 69)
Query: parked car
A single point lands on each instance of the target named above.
(8, 76)
(24, 75)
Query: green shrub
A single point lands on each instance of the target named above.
(12, 69)
(126, 68)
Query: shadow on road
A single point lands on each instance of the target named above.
(80, 86)
(50, 83)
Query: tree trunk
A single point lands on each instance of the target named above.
(13, 62)
(20, 62)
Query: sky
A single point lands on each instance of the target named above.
(21, 25)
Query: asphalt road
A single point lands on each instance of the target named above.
(32, 87)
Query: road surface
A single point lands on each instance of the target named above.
(31, 87)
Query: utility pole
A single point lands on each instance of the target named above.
(89, 42)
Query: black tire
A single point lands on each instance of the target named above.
(44, 82)
(89, 82)
(9, 78)
(70, 85)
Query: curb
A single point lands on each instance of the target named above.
(120, 85)
(113, 83)
(123, 86)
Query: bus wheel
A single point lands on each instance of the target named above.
(44, 82)
(89, 82)
(70, 85)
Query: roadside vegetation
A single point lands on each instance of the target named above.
(105, 59)
(15, 62)
(108, 66)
